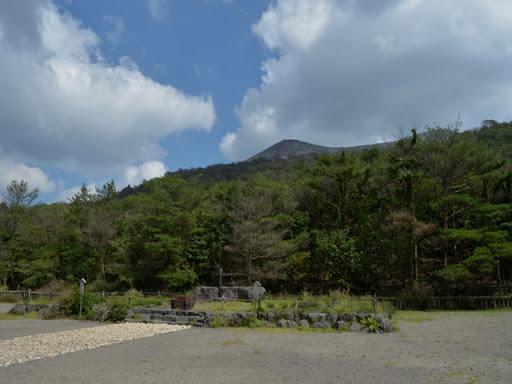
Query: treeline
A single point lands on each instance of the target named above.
(431, 214)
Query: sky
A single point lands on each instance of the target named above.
(126, 90)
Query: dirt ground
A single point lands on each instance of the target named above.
(461, 347)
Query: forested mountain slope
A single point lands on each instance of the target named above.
(431, 214)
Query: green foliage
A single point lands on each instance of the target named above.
(454, 272)
(431, 210)
(88, 302)
(371, 323)
(8, 299)
(118, 312)
(251, 322)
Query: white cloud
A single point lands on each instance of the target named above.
(35, 177)
(116, 28)
(63, 103)
(158, 8)
(293, 24)
(148, 170)
(347, 72)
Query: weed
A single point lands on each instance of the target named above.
(371, 323)
(236, 341)
(11, 299)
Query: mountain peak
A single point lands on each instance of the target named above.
(289, 148)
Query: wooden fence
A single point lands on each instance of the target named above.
(450, 302)
(29, 295)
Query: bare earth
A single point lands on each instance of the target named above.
(462, 347)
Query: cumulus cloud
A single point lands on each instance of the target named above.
(148, 170)
(63, 103)
(33, 176)
(158, 8)
(347, 72)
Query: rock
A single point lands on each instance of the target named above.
(322, 324)
(289, 316)
(282, 323)
(105, 316)
(251, 293)
(304, 323)
(291, 324)
(385, 324)
(18, 309)
(31, 308)
(315, 317)
(356, 327)
(340, 325)
(270, 316)
(332, 318)
(229, 292)
(207, 293)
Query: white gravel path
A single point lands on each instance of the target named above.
(33, 347)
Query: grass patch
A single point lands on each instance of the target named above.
(235, 341)
(11, 316)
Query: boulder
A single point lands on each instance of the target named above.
(340, 325)
(315, 317)
(32, 308)
(270, 316)
(356, 327)
(282, 323)
(206, 293)
(229, 292)
(304, 323)
(18, 309)
(322, 324)
(291, 324)
(385, 324)
(332, 318)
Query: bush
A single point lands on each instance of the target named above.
(11, 299)
(88, 302)
(388, 308)
(134, 294)
(371, 323)
(251, 322)
(118, 312)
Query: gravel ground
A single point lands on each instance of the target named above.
(463, 347)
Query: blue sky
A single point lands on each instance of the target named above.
(129, 89)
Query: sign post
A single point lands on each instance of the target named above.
(82, 286)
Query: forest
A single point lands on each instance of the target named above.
(429, 214)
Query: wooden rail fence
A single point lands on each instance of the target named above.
(450, 302)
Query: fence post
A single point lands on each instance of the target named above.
(102, 296)
(220, 278)
(375, 304)
(222, 303)
(29, 295)
(295, 304)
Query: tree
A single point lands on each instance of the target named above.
(256, 242)
(18, 198)
(455, 163)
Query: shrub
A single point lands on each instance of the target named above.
(11, 299)
(251, 322)
(134, 294)
(118, 312)
(219, 322)
(88, 302)
(388, 308)
(371, 323)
